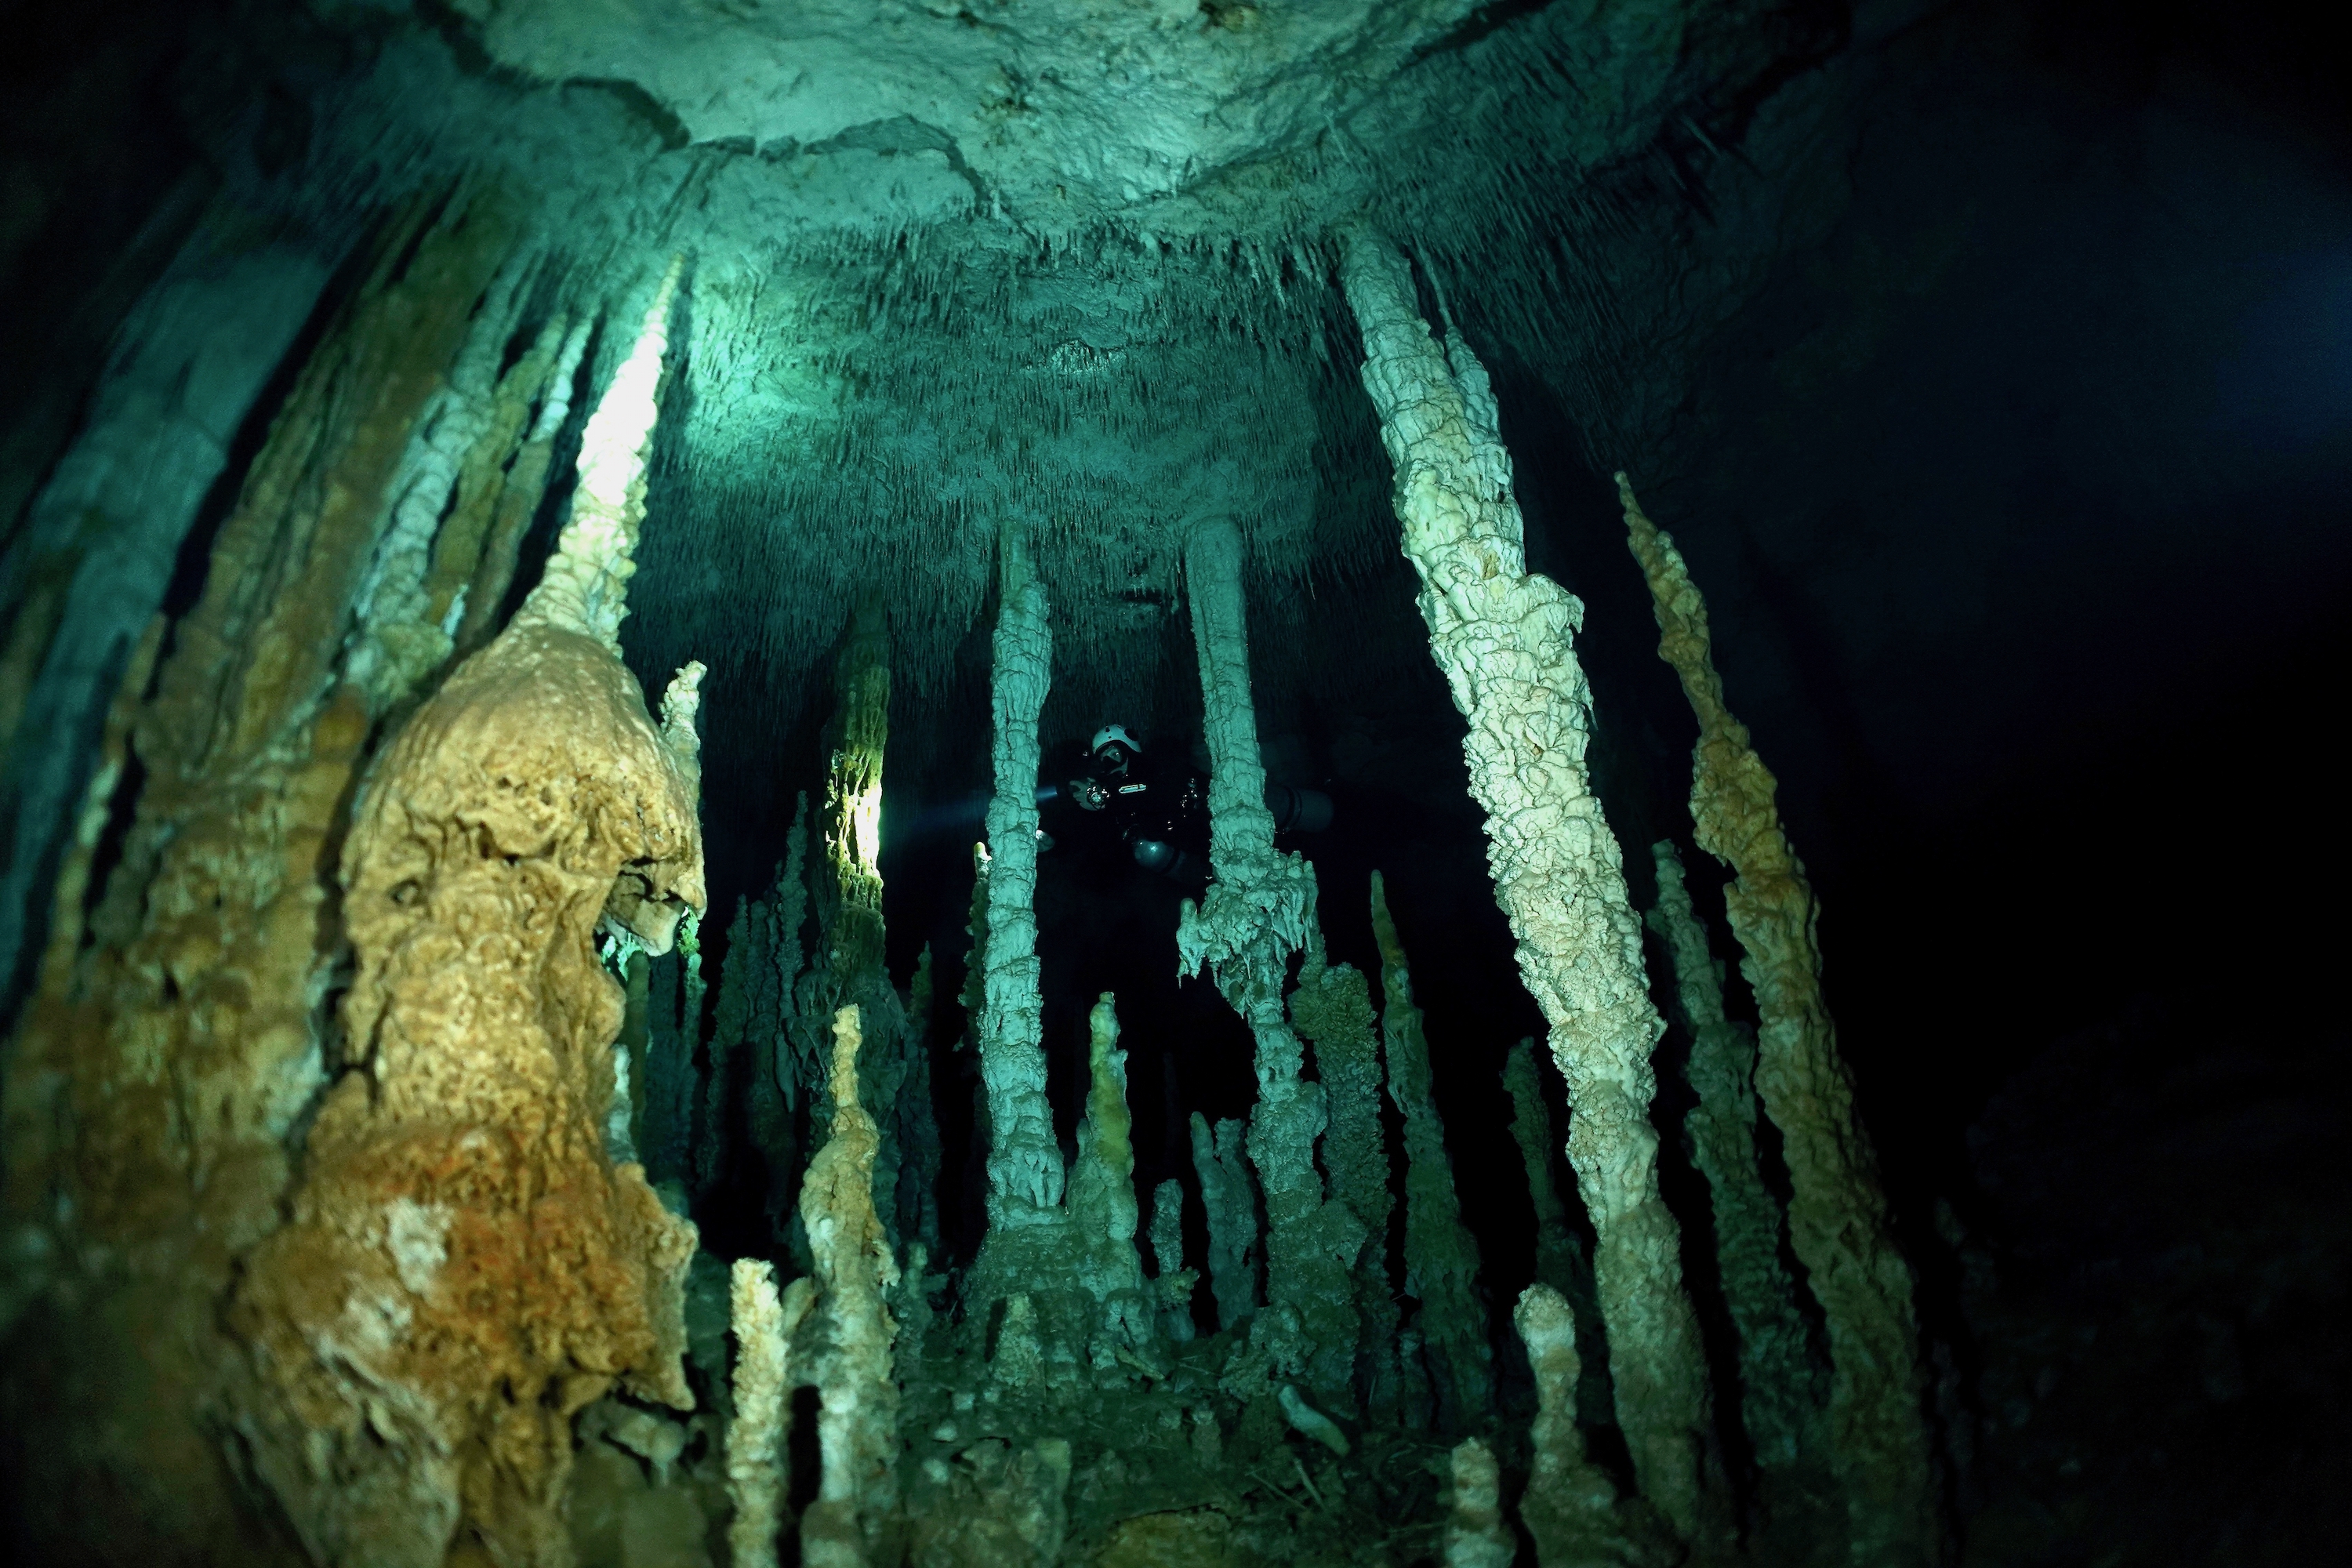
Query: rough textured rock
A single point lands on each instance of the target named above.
(1837, 1214)
(1504, 638)
(464, 1269)
(1440, 1258)
(1332, 1011)
(178, 1038)
(1571, 1509)
(1230, 1200)
(857, 1419)
(1476, 1535)
(1256, 912)
(1780, 1402)
(1024, 1162)
(764, 1324)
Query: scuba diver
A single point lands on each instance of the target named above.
(1159, 805)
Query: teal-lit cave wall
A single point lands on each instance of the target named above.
(1988, 363)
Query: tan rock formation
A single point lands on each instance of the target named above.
(1505, 638)
(1571, 1509)
(177, 1036)
(857, 1420)
(1837, 1212)
(464, 1268)
(1476, 1535)
(1779, 1402)
(764, 1324)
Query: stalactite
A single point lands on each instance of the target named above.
(857, 1424)
(1780, 1405)
(469, 425)
(1503, 638)
(1332, 1010)
(1024, 1161)
(1837, 1212)
(182, 1044)
(1440, 1260)
(764, 1325)
(1254, 915)
(1227, 1197)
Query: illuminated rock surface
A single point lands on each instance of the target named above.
(536, 538)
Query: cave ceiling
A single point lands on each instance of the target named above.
(1070, 260)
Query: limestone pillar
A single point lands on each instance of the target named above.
(1505, 640)
(1024, 1161)
(1837, 1212)
(1255, 914)
(1777, 1400)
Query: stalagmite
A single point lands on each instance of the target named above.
(1171, 1281)
(528, 802)
(585, 584)
(848, 967)
(1440, 1260)
(1254, 915)
(1559, 1262)
(1332, 1010)
(158, 1073)
(857, 1424)
(484, 597)
(1503, 638)
(1837, 1214)
(1779, 1402)
(1232, 1208)
(764, 1326)
(1024, 1161)
(1102, 1205)
(540, 749)
(1569, 1508)
(1476, 1535)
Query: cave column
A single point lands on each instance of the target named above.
(1837, 1214)
(1503, 638)
(1024, 1161)
(1258, 911)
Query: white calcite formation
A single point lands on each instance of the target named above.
(1024, 1161)
(1505, 640)
(586, 581)
(764, 1325)
(1257, 914)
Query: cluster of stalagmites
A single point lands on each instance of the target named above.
(355, 1118)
